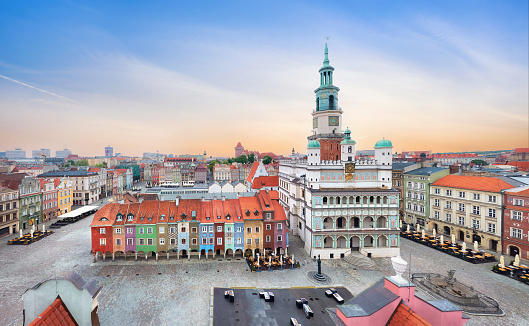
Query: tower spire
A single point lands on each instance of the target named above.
(326, 60)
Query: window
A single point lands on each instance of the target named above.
(118, 242)
(210, 241)
(475, 224)
(183, 241)
(204, 241)
(461, 207)
(449, 192)
(102, 231)
(142, 242)
(249, 241)
(183, 229)
(492, 199)
(476, 196)
(173, 229)
(172, 242)
(448, 217)
(268, 227)
(194, 241)
(149, 242)
(219, 241)
(492, 213)
(257, 241)
(142, 231)
(239, 241)
(102, 242)
(149, 230)
(239, 229)
(248, 230)
(436, 202)
(280, 226)
(267, 238)
(204, 229)
(228, 241)
(475, 210)
(516, 215)
(211, 228)
(219, 228)
(279, 238)
(436, 214)
(461, 194)
(449, 204)
(194, 230)
(516, 233)
(130, 242)
(517, 202)
(461, 220)
(257, 229)
(118, 230)
(491, 227)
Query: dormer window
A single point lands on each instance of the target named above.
(218, 217)
(256, 212)
(193, 214)
(171, 218)
(141, 218)
(247, 212)
(162, 217)
(183, 215)
(103, 219)
(228, 216)
(130, 217)
(119, 217)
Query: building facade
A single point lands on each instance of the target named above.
(191, 228)
(30, 203)
(470, 208)
(64, 195)
(516, 222)
(86, 189)
(9, 212)
(221, 172)
(416, 189)
(335, 202)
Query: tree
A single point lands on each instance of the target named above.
(479, 162)
(212, 164)
(423, 155)
(101, 165)
(267, 159)
(241, 159)
(251, 158)
(81, 163)
(66, 165)
(71, 162)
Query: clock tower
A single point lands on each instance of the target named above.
(327, 117)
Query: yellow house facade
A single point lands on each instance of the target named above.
(65, 195)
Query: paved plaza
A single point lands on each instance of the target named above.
(179, 292)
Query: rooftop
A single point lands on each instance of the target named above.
(473, 183)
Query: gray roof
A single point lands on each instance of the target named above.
(369, 301)
(425, 171)
(91, 286)
(400, 166)
(512, 182)
(66, 174)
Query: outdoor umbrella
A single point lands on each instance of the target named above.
(476, 246)
(21, 233)
(408, 228)
(516, 260)
(422, 233)
(442, 239)
(502, 262)
(269, 261)
(434, 233)
(464, 247)
(453, 238)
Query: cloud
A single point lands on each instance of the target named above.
(39, 89)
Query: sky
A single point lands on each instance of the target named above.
(184, 77)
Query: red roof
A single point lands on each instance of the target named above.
(239, 144)
(404, 316)
(521, 192)
(473, 183)
(250, 204)
(252, 171)
(94, 169)
(521, 150)
(521, 165)
(270, 181)
(57, 314)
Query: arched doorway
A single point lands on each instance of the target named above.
(476, 237)
(368, 241)
(513, 251)
(354, 243)
(382, 222)
(461, 235)
(355, 222)
(340, 223)
(382, 241)
(446, 230)
(368, 222)
(341, 242)
(327, 223)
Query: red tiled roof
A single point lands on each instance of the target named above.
(279, 211)
(521, 165)
(252, 171)
(473, 183)
(57, 314)
(250, 204)
(274, 194)
(265, 181)
(239, 144)
(404, 316)
(524, 192)
(521, 150)
(108, 212)
(94, 169)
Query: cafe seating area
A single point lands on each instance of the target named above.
(519, 273)
(451, 248)
(270, 262)
(69, 220)
(27, 239)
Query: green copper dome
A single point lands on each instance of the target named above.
(347, 139)
(383, 143)
(314, 144)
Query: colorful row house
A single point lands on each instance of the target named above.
(191, 228)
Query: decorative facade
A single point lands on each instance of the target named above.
(8, 211)
(191, 227)
(516, 222)
(335, 202)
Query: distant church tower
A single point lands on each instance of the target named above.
(239, 149)
(327, 118)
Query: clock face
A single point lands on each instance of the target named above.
(334, 121)
(323, 95)
(315, 123)
(349, 167)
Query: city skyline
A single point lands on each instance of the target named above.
(179, 78)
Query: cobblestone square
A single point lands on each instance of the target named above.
(179, 292)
